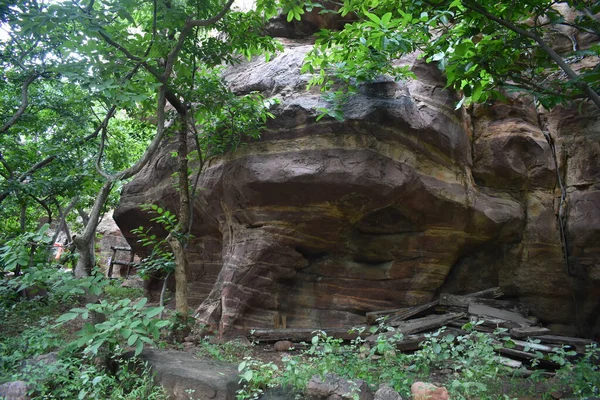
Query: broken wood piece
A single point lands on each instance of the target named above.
(301, 334)
(412, 342)
(521, 345)
(486, 311)
(459, 323)
(525, 332)
(509, 362)
(459, 303)
(423, 324)
(401, 314)
(576, 343)
(373, 316)
(491, 293)
(526, 356)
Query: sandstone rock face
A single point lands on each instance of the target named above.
(324, 221)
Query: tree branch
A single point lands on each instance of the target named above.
(593, 96)
(24, 102)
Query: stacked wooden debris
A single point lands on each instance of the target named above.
(484, 310)
(487, 313)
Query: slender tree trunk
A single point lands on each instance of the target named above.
(85, 242)
(177, 241)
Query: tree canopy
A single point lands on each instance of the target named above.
(482, 47)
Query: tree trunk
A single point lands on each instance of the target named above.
(85, 242)
(86, 260)
(177, 241)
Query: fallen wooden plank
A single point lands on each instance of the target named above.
(480, 328)
(412, 342)
(491, 293)
(486, 311)
(400, 314)
(411, 312)
(510, 362)
(521, 344)
(576, 343)
(423, 324)
(373, 316)
(300, 334)
(525, 332)
(461, 303)
(526, 356)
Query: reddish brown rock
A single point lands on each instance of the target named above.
(283, 345)
(428, 391)
(323, 222)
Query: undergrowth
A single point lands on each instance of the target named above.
(29, 332)
(467, 364)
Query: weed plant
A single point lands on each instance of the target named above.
(467, 364)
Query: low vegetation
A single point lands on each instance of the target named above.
(72, 359)
(466, 364)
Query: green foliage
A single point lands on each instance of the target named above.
(581, 376)
(75, 378)
(255, 377)
(476, 370)
(31, 342)
(161, 259)
(483, 47)
(125, 324)
(19, 252)
(233, 351)
(114, 291)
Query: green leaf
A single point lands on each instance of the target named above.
(373, 18)
(132, 339)
(139, 347)
(67, 317)
(154, 311)
(140, 304)
(162, 324)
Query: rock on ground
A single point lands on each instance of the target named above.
(185, 376)
(386, 393)
(333, 387)
(16, 390)
(428, 391)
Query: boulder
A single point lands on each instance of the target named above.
(428, 391)
(386, 393)
(16, 390)
(283, 345)
(181, 374)
(324, 221)
(333, 387)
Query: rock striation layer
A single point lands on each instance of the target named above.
(324, 221)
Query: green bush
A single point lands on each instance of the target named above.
(76, 378)
(114, 291)
(124, 324)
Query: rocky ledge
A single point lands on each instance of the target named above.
(321, 222)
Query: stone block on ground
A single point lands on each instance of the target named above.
(333, 387)
(428, 391)
(185, 376)
(283, 345)
(386, 393)
(16, 390)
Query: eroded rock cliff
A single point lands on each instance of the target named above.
(325, 221)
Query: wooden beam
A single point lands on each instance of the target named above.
(486, 311)
(491, 293)
(301, 334)
(461, 303)
(525, 332)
